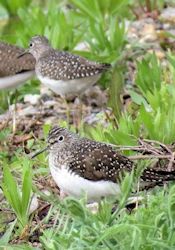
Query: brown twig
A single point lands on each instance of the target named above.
(142, 157)
(151, 149)
(160, 144)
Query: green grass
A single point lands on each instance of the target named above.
(19, 199)
(101, 25)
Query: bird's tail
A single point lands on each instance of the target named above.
(106, 66)
(157, 176)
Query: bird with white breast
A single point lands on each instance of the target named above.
(81, 166)
(61, 71)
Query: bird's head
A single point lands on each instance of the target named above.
(59, 140)
(37, 46)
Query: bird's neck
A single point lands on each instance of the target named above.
(61, 158)
(43, 52)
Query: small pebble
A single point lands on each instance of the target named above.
(32, 99)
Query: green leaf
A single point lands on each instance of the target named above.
(115, 90)
(89, 8)
(11, 191)
(26, 191)
(7, 235)
(139, 99)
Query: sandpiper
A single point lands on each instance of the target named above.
(83, 166)
(13, 70)
(63, 72)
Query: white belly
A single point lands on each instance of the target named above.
(63, 88)
(78, 187)
(8, 82)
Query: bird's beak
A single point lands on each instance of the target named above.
(24, 53)
(39, 152)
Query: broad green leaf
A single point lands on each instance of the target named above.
(11, 191)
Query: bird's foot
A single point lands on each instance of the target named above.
(62, 195)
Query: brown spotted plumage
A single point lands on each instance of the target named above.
(62, 71)
(61, 65)
(10, 64)
(92, 161)
(13, 70)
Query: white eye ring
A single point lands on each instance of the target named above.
(61, 138)
(31, 45)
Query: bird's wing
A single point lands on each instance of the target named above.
(100, 162)
(66, 66)
(10, 64)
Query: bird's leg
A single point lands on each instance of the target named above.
(62, 194)
(81, 110)
(67, 110)
(78, 113)
(14, 112)
(14, 120)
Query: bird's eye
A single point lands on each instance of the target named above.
(61, 138)
(31, 44)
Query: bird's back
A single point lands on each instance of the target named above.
(61, 65)
(98, 161)
(10, 64)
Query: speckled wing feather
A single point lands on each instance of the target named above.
(60, 65)
(97, 161)
(10, 64)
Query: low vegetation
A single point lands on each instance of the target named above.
(141, 105)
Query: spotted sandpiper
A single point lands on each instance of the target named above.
(62, 72)
(13, 70)
(83, 166)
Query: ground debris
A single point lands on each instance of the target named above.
(163, 155)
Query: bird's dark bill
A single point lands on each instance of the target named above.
(39, 152)
(24, 53)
